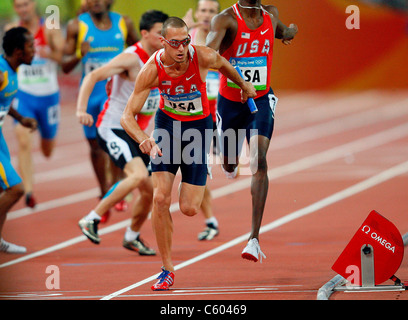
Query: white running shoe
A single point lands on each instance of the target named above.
(11, 248)
(252, 251)
(231, 175)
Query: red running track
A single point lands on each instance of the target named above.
(336, 147)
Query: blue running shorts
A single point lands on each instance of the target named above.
(46, 110)
(8, 176)
(185, 145)
(235, 122)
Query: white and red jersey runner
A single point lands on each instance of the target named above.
(120, 92)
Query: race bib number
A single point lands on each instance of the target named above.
(53, 114)
(92, 64)
(254, 70)
(188, 104)
(213, 85)
(38, 72)
(152, 103)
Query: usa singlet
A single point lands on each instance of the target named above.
(183, 98)
(252, 51)
(120, 93)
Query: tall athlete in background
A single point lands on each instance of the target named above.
(244, 35)
(94, 38)
(205, 11)
(38, 96)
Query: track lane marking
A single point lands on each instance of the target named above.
(336, 197)
(356, 146)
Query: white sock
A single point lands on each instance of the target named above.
(131, 235)
(212, 220)
(93, 216)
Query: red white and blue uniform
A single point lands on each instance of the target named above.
(183, 121)
(252, 52)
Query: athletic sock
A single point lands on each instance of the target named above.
(131, 235)
(93, 216)
(213, 221)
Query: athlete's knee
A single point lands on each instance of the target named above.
(24, 141)
(16, 192)
(188, 208)
(161, 200)
(47, 149)
(259, 164)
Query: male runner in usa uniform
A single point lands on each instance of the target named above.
(244, 34)
(181, 128)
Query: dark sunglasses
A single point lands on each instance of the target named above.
(176, 43)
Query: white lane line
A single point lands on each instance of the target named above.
(359, 145)
(56, 203)
(281, 142)
(346, 193)
(161, 295)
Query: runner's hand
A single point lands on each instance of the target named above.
(248, 92)
(149, 146)
(85, 118)
(29, 123)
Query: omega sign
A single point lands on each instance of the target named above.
(384, 242)
(388, 249)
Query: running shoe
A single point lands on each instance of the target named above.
(166, 280)
(90, 229)
(121, 206)
(233, 174)
(209, 232)
(252, 251)
(138, 246)
(11, 248)
(30, 200)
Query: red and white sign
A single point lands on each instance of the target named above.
(388, 249)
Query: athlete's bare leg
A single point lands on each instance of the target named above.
(259, 184)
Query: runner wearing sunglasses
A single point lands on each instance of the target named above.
(179, 71)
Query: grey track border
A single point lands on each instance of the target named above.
(327, 289)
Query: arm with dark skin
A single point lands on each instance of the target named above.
(24, 121)
(132, 36)
(286, 34)
(72, 58)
